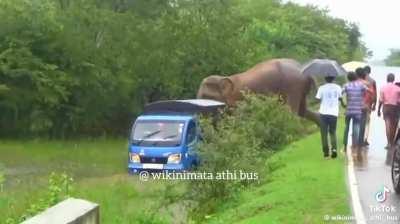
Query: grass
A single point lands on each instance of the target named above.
(99, 172)
(303, 188)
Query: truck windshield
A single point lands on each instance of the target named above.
(157, 133)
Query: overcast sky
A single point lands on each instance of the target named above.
(379, 21)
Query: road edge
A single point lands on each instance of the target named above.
(355, 197)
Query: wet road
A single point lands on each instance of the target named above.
(374, 176)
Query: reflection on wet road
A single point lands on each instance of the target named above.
(378, 199)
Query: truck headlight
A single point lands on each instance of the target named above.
(135, 158)
(174, 158)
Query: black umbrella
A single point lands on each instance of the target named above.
(323, 67)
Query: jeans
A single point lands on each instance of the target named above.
(328, 125)
(356, 119)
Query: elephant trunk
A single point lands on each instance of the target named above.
(311, 83)
(312, 116)
(308, 114)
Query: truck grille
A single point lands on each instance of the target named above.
(158, 160)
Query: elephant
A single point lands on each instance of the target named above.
(282, 77)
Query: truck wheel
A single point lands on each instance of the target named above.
(396, 169)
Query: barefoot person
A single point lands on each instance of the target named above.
(329, 94)
(354, 91)
(389, 99)
(367, 103)
(370, 102)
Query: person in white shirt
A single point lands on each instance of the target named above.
(329, 95)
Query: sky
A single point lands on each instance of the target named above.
(379, 21)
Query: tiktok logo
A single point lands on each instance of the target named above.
(381, 195)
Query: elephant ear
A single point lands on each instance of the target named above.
(226, 87)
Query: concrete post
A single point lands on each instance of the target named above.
(69, 211)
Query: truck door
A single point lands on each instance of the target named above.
(191, 142)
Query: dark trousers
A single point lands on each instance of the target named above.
(363, 123)
(356, 120)
(328, 125)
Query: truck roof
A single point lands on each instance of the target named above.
(191, 106)
(167, 117)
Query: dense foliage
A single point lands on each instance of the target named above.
(240, 144)
(87, 67)
(394, 58)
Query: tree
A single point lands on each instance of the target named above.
(394, 58)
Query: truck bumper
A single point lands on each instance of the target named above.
(137, 167)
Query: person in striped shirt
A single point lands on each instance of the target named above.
(354, 91)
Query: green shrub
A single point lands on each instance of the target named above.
(241, 141)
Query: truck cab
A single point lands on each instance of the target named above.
(166, 136)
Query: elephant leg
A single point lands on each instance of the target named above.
(294, 102)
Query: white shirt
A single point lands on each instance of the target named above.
(329, 95)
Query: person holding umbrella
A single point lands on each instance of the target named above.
(329, 95)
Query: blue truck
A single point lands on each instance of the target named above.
(166, 135)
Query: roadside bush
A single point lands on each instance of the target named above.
(240, 143)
